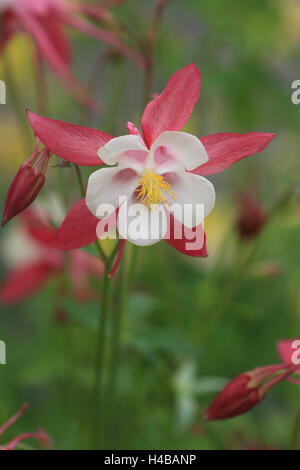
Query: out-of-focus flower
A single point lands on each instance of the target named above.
(154, 169)
(252, 216)
(27, 184)
(267, 269)
(188, 388)
(248, 389)
(44, 21)
(40, 435)
(45, 262)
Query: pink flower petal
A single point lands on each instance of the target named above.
(42, 31)
(171, 110)
(37, 227)
(187, 237)
(107, 224)
(227, 148)
(25, 281)
(77, 230)
(287, 352)
(57, 37)
(73, 143)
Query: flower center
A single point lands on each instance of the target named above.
(153, 189)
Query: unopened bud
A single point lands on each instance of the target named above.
(26, 185)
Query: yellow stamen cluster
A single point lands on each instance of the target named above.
(153, 189)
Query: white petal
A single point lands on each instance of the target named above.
(189, 153)
(195, 198)
(135, 159)
(141, 226)
(111, 152)
(106, 186)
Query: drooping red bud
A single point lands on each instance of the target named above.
(246, 391)
(252, 216)
(27, 184)
(236, 398)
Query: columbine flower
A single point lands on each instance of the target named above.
(162, 166)
(44, 21)
(27, 184)
(40, 435)
(37, 262)
(152, 179)
(252, 216)
(250, 388)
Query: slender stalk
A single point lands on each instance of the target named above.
(80, 180)
(116, 96)
(40, 84)
(82, 192)
(127, 270)
(108, 401)
(150, 49)
(295, 442)
(98, 409)
(17, 105)
(115, 349)
(100, 64)
(129, 33)
(99, 400)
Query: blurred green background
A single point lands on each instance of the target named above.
(191, 324)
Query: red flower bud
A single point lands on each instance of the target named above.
(252, 217)
(245, 391)
(236, 398)
(27, 184)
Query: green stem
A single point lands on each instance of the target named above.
(98, 410)
(150, 49)
(80, 180)
(295, 443)
(99, 398)
(82, 192)
(127, 270)
(18, 106)
(40, 84)
(115, 349)
(100, 251)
